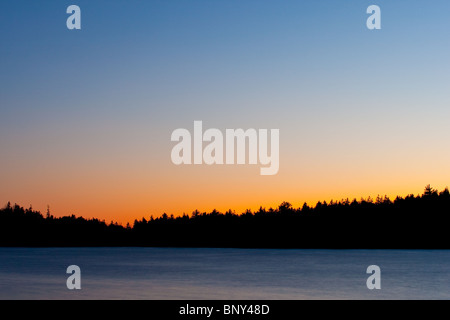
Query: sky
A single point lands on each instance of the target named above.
(87, 115)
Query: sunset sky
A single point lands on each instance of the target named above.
(87, 115)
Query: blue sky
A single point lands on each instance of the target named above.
(199, 53)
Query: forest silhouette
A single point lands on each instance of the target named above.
(411, 222)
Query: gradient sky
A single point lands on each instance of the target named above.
(86, 116)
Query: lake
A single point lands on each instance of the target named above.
(191, 273)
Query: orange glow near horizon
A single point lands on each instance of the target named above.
(122, 204)
(122, 183)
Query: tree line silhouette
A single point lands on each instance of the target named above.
(411, 222)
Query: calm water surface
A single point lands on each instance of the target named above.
(172, 273)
